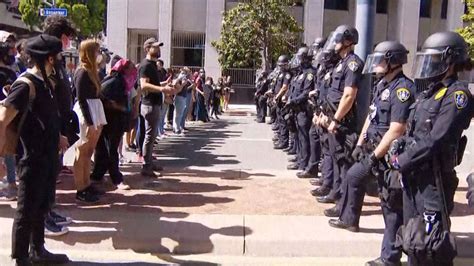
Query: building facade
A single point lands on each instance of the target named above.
(187, 27)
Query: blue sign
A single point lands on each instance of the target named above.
(46, 12)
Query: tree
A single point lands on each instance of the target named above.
(87, 16)
(468, 31)
(256, 32)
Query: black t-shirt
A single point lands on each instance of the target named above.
(7, 77)
(149, 70)
(40, 132)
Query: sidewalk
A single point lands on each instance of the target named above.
(225, 197)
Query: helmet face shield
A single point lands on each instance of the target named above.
(330, 43)
(295, 62)
(429, 63)
(375, 63)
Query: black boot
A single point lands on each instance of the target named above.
(23, 262)
(42, 256)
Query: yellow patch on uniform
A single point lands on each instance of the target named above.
(440, 94)
(461, 100)
(353, 66)
(309, 76)
(403, 94)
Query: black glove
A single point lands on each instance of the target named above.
(470, 190)
(357, 153)
(369, 160)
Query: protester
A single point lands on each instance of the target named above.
(7, 77)
(152, 99)
(21, 59)
(33, 100)
(181, 100)
(92, 118)
(227, 91)
(115, 90)
(170, 100)
(201, 110)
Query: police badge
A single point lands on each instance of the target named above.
(403, 94)
(309, 76)
(460, 99)
(385, 95)
(353, 66)
(288, 76)
(301, 76)
(280, 76)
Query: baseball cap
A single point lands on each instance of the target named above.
(152, 42)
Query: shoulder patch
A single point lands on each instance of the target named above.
(288, 76)
(461, 100)
(309, 76)
(403, 94)
(353, 66)
(440, 94)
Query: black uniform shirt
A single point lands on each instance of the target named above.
(391, 103)
(284, 78)
(437, 120)
(40, 132)
(346, 73)
(303, 85)
(148, 69)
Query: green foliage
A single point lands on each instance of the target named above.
(256, 32)
(468, 31)
(87, 16)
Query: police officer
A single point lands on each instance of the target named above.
(290, 114)
(386, 121)
(299, 102)
(329, 58)
(434, 142)
(280, 90)
(41, 141)
(312, 168)
(261, 100)
(339, 112)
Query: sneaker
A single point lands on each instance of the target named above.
(59, 219)
(9, 193)
(53, 229)
(121, 160)
(97, 189)
(123, 186)
(86, 196)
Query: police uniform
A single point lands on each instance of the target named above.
(390, 104)
(284, 78)
(347, 73)
(292, 133)
(262, 87)
(304, 84)
(437, 120)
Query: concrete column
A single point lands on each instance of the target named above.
(165, 28)
(409, 21)
(455, 11)
(313, 20)
(117, 29)
(213, 31)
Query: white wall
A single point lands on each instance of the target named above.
(189, 15)
(117, 26)
(143, 14)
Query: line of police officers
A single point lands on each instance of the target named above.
(409, 143)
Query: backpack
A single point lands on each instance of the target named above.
(12, 133)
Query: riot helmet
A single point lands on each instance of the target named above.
(438, 53)
(304, 57)
(283, 62)
(385, 57)
(317, 49)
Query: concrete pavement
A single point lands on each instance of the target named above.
(225, 197)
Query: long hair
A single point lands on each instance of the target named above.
(88, 56)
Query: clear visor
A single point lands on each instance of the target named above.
(375, 63)
(429, 64)
(331, 42)
(295, 61)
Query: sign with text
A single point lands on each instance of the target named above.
(46, 12)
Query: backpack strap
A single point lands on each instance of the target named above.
(31, 99)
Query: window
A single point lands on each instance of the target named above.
(425, 8)
(444, 9)
(187, 48)
(336, 4)
(136, 38)
(382, 6)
